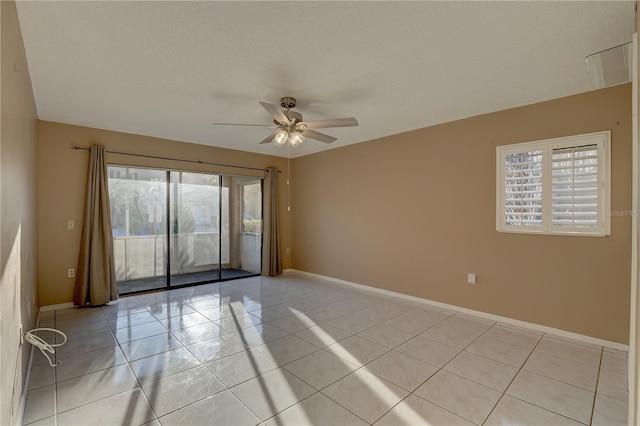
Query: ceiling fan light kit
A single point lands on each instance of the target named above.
(280, 138)
(293, 136)
(292, 128)
(296, 139)
(290, 131)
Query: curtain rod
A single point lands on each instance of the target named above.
(176, 159)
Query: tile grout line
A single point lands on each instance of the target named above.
(99, 399)
(226, 388)
(555, 356)
(282, 367)
(448, 362)
(426, 380)
(359, 368)
(548, 378)
(512, 380)
(55, 377)
(111, 330)
(388, 350)
(362, 367)
(128, 362)
(392, 349)
(247, 348)
(595, 391)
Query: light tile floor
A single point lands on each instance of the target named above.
(295, 350)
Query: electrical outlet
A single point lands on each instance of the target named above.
(287, 250)
(71, 225)
(471, 278)
(71, 273)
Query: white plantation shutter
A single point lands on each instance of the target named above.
(555, 186)
(523, 188)
(575, 187)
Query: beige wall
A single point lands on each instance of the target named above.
(415, 212)
(61, 190)
(18, 137)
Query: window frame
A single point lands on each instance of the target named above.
(243, 185)
(602, 140)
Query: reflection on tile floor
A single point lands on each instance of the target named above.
(297, 350)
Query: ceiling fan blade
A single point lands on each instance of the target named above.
(318, 136)
(242, 124)
(336, 122)
(276, 112)
(270, 137)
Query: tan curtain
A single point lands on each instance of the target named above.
(96, 278)
(271, 263)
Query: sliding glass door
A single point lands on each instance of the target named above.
(195, 228)
(138, 201)
(174, 228)
(241, 226)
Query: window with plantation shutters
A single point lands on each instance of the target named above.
(523, 188)
(555, 186)
(575, 187)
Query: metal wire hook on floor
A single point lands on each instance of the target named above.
(41, 344)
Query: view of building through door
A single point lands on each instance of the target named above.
(246, 232)
(199, 241)
(174, 228)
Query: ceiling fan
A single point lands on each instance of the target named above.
(290, 127)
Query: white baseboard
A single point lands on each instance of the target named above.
(56, 307)
(505, 320)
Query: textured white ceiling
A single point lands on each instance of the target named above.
(170, 69)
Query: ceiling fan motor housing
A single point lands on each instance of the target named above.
(288, 102)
